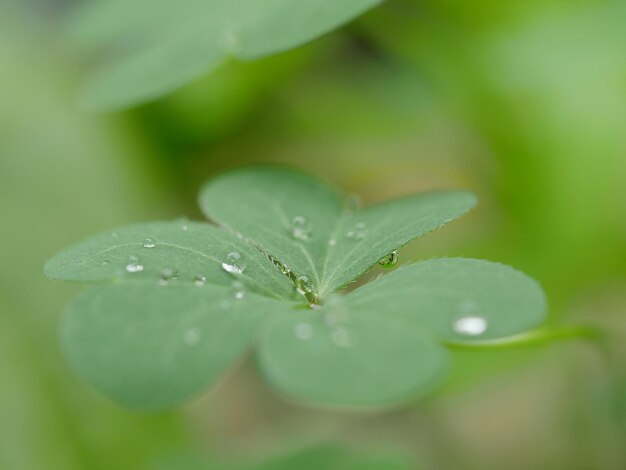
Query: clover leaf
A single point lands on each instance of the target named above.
(177, 303)
(168, 44)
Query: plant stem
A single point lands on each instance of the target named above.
(539, 336)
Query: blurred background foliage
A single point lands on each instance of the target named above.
(521, 101)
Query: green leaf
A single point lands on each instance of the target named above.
(458, 299)
(341, 356)
(172, 43)
(174, 308)
(184, 252)
(262, 204)
(153, 347)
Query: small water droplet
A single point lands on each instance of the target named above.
(300, 228)
(303, 285)
(184, 227)
(470, 325)
(390, 260)
(149, 242)
(237, 287)
(134, 266)
(303, 331)
(358, 232)
(341, 337)
(282, 266)
(106, 262)
(191, 336)
(332, 242)
(167, 276)
(199, 280)
(233, 263)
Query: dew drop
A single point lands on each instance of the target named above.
(282, 266)
(149, 242)
(358, 232)
(332, 242)
(106, 262)
(303, 331)
(470, 325)
(303, 285)
(134, 266)
(167, 276)
(191, 336)
(233, 263)
(238, 291)
(199, 280)
(184, 227)
(390, 260)
(341, 337)
(300, 228)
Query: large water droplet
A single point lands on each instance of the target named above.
(470, 325)
(167, 276)
(357, 232)
(300, 228)
(191, 336)
(390, 260)
(237, 287)
(134, 266)
(303, 331)
(199, 280)
(149, 242)
(233, 263)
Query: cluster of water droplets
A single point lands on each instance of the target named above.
(470, 322)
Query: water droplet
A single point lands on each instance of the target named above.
(199, 280)
(184, 227)
(341, 337)
(106, 262)
(191, 336)
(167, 276)
(149, 243)
(303, 331)
(134, 266)
(282, 266)
(233, 263)
(390, 260)
(470, 325)
(358, 232)
(303, 285)
(239, 293)
(230, 40)
(300, 228)
(332, 242)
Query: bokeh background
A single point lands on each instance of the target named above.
(521, 101)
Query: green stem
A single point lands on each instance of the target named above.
(540, 336)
